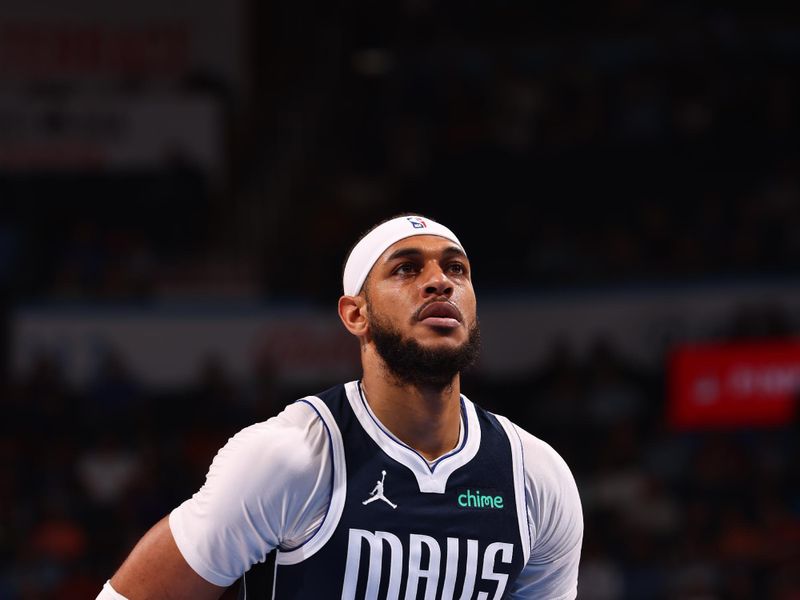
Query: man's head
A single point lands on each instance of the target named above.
(408, 297)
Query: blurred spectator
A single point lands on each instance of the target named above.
(600, 577)
(113, 394)
(612, 398)
(107, 471)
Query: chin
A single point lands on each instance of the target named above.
(448, 338)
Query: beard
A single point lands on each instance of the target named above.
(412, 364)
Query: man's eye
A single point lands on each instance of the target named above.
(405, 269)
(457, 268)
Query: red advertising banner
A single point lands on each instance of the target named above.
(734, 385)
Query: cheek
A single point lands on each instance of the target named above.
(470, 306)
(466, 297)
(387, 309)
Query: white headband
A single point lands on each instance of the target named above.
(375, 243)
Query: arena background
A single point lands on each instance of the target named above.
(179, 182)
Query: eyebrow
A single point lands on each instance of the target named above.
(414, 252)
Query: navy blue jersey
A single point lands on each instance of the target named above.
(399, 527)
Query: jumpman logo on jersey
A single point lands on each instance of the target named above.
(377, 493)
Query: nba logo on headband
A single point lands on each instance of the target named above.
(416, 222)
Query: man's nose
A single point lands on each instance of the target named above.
(437, 283)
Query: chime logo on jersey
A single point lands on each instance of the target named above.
(477, 499)
(417, 223)
(460, 564)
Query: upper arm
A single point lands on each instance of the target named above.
(156, 569)
(268, 487)
(556, 521)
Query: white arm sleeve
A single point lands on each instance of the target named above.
(109, 593)
(556, 524)
(268, 487)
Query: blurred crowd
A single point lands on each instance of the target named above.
(633, 142)
(630, 142)
(87, 472)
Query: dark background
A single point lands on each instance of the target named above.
(624, 146)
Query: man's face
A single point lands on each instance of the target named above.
(422, 309)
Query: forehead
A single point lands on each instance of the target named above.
(427, 244)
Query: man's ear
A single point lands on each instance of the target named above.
(353, 313)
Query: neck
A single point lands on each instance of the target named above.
(425, 418)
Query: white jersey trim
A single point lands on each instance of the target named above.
(431, 479)
(315, 543)
(518, 466)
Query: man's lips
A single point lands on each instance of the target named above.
(440, 314)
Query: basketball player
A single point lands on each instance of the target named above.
(466, 505)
